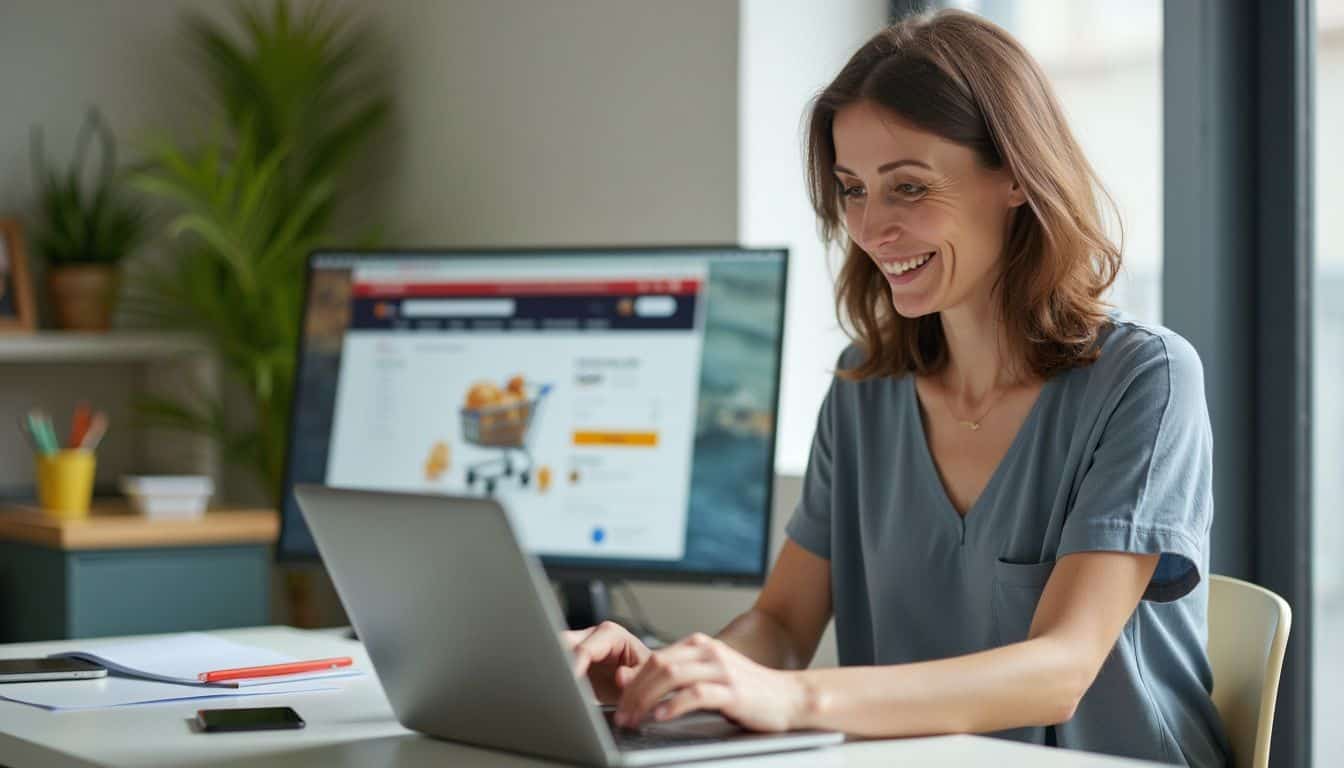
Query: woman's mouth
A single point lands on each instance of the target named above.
(907, 269)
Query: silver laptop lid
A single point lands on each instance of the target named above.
(457, 621)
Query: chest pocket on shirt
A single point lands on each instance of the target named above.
(1017, 590)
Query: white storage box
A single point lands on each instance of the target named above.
(160, 496)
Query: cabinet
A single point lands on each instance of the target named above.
(119, 573)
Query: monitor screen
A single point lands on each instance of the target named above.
(620, 403)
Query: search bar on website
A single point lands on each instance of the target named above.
(458, 308)
(655, 306)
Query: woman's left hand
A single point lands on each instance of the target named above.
(704, 673)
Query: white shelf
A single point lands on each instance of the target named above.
(113, 346)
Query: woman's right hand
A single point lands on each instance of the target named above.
(601, 650)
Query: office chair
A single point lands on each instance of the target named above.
(1248, 634)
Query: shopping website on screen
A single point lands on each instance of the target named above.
(569, 393)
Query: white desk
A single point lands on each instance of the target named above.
(355, 727)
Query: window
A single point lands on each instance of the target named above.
(1327, 372)
(1104, 59)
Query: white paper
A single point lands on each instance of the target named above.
(117, 691)
(181, 658)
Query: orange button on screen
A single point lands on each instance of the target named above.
(627, 439)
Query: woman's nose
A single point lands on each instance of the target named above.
(880, 223)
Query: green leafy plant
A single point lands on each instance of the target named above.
(298, 101)
(79, 221)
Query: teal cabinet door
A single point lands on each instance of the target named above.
(51, 594)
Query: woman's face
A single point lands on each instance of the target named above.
(924, 209)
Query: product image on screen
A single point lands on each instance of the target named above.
(620, 404)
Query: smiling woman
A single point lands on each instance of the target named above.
(1008, 498)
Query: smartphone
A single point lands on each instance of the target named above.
(29, 670)
(254, 719)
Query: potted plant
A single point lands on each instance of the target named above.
(84, 229)
(298, 96)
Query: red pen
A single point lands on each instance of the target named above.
(79, 424)
(290, 668)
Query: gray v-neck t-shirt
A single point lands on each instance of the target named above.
(1114, 456)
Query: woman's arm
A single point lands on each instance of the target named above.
(1039, 681)
(1085, 605)
(784, 626)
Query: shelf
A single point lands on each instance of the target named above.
(115, 526)
(113, 346)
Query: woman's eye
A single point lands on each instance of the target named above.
(906, 190)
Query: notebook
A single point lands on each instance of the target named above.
(115, 691)
(182, 658)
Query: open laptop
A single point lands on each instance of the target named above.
(462, 628)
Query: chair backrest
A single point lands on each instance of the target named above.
(1248, 633)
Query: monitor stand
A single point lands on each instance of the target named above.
(586, 603)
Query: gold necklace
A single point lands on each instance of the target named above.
(975, 425)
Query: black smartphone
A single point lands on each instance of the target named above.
(254, 719)
(30, 670)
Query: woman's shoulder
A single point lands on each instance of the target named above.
(1132, 350)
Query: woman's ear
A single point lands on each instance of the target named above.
(1017, 195)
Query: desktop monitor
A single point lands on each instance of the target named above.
(620, 402)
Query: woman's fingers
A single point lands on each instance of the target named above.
(638, 698)
(673, 654)
(691, 649)
(703, 695)
(607, 641)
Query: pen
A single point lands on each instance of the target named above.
(48, 432)
(94, 434)
(35, 426)
(269, 670)
(79, 425)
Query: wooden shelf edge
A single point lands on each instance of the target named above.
(127, 530)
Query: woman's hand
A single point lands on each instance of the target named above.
(703, 673)
(602, 650)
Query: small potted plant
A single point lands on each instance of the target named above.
(83, 230)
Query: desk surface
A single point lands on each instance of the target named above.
(355, 727)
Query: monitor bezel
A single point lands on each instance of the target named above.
(556, 572)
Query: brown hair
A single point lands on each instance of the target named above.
(964, 79)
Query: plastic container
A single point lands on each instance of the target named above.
(168, 496)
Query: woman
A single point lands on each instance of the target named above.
(1007, 504)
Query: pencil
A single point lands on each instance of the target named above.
(94, 434)
(79, 424)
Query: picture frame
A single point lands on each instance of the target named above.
(17, 312)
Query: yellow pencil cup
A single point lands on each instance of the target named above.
(65, 483)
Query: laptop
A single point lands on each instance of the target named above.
(463, 628)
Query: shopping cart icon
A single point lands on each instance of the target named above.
(505, 427)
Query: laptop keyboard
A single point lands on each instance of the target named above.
(683, 732)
